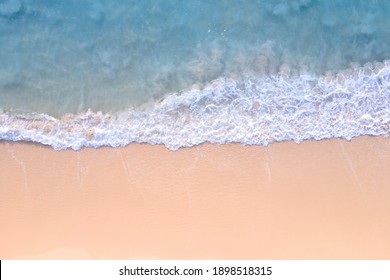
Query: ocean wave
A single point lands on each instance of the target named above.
(251, 110)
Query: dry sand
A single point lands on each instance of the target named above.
(325, 199)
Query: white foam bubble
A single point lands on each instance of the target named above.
(253, 110)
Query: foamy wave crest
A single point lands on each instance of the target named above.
(282, 107)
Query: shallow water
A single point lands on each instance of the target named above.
(252, 72)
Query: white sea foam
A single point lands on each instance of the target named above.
(253, 110)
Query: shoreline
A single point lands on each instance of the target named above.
(248, 111)
(324, 199)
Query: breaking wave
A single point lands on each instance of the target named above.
(251, 110)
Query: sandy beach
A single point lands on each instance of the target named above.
(325, 199)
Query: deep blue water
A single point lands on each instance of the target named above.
(252, 71)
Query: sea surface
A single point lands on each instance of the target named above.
(80, 73)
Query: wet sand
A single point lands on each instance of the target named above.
(326, 199)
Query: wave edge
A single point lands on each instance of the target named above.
(253, 110)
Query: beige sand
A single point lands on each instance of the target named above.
(316, 200)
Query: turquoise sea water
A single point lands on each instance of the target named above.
(179, 73)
